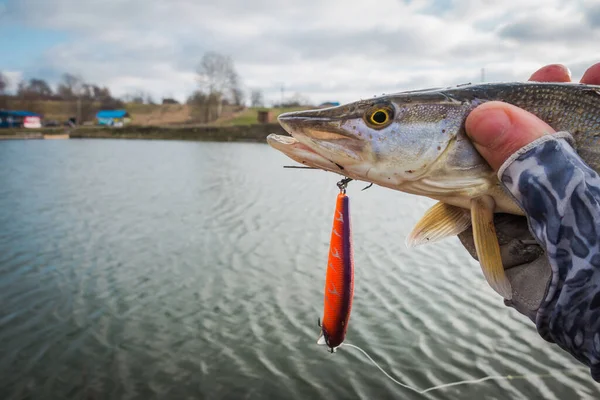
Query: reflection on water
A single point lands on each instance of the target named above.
(132, 269)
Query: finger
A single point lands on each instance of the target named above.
(552, 73)
(592, 75)
(499, 129)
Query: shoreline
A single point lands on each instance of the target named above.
(238, 133)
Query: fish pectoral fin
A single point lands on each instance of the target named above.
(439, 222)
(486, 244)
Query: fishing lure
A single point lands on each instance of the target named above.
(339, 282)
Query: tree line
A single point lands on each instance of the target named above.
(84, 99)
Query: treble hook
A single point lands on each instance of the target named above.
(343, 183)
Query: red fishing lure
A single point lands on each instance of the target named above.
(339, 282)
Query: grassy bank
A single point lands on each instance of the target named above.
(234, 133)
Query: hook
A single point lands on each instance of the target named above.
(343, 183)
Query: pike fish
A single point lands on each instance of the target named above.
(415, 142)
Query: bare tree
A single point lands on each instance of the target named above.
(36, 89)
(106, 100)
(217, 79)
(216, 73)
(72, 90)
(70, 87)
(238, 96)
(257, 98)
(27, 100)
(30, 95)
(3, 96)
(3, 83)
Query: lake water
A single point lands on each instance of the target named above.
(181, 270)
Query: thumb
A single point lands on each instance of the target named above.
(499, 129)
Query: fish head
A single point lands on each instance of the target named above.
(387, 140)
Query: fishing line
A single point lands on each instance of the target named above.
(464, 382)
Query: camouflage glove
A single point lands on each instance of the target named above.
(524, 260)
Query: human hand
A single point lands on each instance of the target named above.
(498, 130)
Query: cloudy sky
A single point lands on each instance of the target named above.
(337, 50)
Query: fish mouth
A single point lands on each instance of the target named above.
(317, 140)
(302, 153)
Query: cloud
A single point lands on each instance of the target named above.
(592, 14)
(544, 28)
(335, 50)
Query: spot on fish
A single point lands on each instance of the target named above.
(443, 131)
(410, 171)
(439, 147)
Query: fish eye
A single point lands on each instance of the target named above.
(379, 116)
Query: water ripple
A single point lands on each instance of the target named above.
(132, 269)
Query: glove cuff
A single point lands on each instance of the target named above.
(554, 136)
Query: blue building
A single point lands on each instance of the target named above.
(113, 117)
(19, 119)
